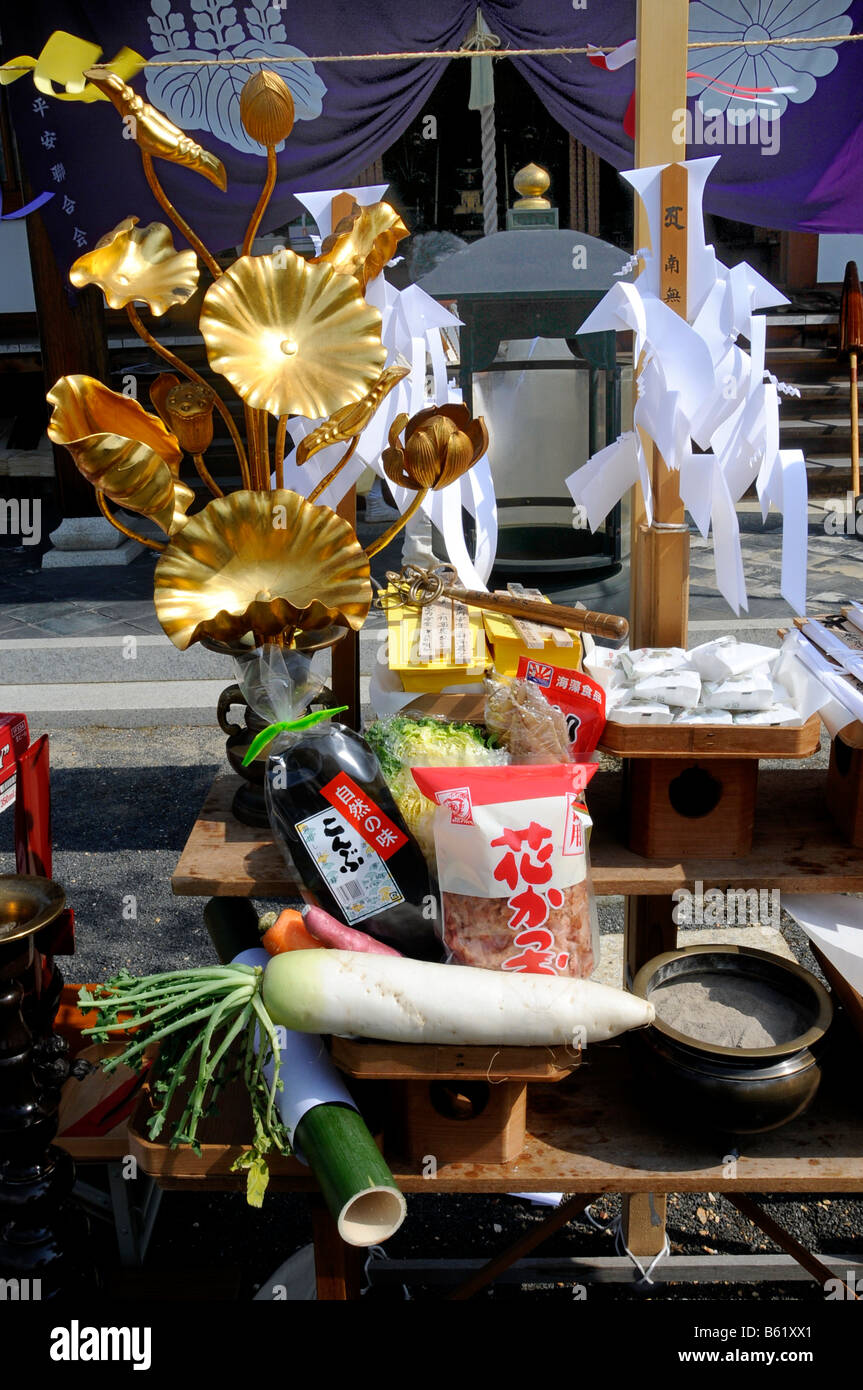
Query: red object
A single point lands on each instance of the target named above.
(33, 811)
(14, 738)
(580, 699)
(357, 806)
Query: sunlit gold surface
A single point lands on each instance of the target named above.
(153, 132)
(267, 108)
(27, 903)
(531, 182)
(440, 444)
(351, 420)
(364, 242)
(120, 448)
(291, 337)
(138, 263)
(261, 562)
(189, 407)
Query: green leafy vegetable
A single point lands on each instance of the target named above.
(401, 743)
(204, 1022)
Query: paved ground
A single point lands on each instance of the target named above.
(124, 802)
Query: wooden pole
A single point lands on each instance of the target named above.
(659, 560)
(659, 570)
(73, 339)
(855, 427)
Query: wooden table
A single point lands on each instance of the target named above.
(589, 1135)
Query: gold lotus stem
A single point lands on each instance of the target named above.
(279, 450)
(393, 530)
(264, 447)
(190, 372)
(133, 535)
(325, 482)
(206, 475)
(266, 195)
(177, 218)
(252, 441)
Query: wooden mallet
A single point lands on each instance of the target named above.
(851, 341)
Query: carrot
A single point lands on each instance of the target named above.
(288, 933)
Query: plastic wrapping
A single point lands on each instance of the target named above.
(514, 866)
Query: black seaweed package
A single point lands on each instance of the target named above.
(335, 820)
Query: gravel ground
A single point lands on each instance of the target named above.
(124, 802)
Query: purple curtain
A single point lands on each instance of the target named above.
(348, 114)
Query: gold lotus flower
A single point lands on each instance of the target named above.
(267, 108)
(138, 263)
(153, 132)
(261, 562)
(441, 443)
(363, 242)
(189, 407)
(351, 420)
(291, 338)
(121, 449)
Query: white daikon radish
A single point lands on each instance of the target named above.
(413, 1001)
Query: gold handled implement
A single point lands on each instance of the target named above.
(420, 587)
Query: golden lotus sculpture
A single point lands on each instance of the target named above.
(266, 563)
(351, 420)
(153, 132)
(291, 338)
(440, 444)
(363, 242)
(121, 449)
(138, 263)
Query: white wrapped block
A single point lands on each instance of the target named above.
(642, 712)
(615, 699)
(704, 716)
(750, 692)
(652, 661)
(727, 660)
(679, 688)
(781, 716)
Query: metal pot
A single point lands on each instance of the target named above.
(732, 1090)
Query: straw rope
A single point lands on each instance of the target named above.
(412, 55)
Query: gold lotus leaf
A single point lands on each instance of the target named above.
(351, 420)
(441, 443)
(291, 337)
(153, 132)
(261, 562)
(363, 242)
(121, 449)
(138, 263)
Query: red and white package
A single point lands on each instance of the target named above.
(513, 866)
(580, 700)
(14, 739)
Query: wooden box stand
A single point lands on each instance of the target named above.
(689, 790)
(845, 789)
(454, 1104)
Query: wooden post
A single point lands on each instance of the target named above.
(659, 572)
(72, 336)
(659, 561)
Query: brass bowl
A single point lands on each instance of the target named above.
(732, 1090)
(27, 903)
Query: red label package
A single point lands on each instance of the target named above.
(512, 858)
(580, 700)
(14, 740)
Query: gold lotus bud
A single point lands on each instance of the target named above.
(189, 407)
(440, 444)
(267, 108)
